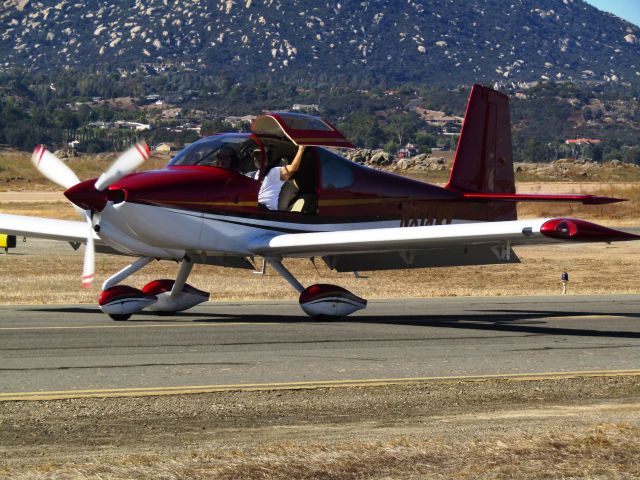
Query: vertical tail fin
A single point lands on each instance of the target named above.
(483, 161)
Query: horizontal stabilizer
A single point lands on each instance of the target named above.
(530, 197)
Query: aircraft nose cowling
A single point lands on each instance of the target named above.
(85, 195)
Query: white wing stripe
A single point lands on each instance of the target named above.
(401, 238)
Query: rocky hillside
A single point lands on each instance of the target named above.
(419, 40)
(437, 166)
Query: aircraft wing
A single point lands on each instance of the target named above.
(39, 227)
(435, 238)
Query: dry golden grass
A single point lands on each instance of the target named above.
(603, 451)
(569, 170)
(619, 214)
(606, 450)
(594, 269)
(61, 210)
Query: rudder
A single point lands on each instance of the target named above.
(484, 162)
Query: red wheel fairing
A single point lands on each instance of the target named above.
(330, 301)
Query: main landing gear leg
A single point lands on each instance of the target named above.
(126, 272)
(175, 296)
(185, 269)
(284, 273)
(321, 300)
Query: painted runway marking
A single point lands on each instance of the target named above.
(311, 385)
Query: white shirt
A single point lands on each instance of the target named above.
(270, 189)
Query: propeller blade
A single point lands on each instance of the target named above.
(53, 168)
(125, 164)
(88, 269)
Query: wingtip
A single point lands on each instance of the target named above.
(581, 230)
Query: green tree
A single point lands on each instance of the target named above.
(403, 127)
(632, 155)
(391, 147)
(362, 129)
(425, 141)
(534, 151)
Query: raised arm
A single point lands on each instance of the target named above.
(287, 171)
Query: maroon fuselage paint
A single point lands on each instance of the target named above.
(373, 195)
(370, 196)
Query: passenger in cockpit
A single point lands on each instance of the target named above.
(274, 179)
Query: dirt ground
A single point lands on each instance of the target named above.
(557, 428)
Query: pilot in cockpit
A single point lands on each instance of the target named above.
(226, 158)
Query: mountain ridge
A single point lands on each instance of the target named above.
(441, 41)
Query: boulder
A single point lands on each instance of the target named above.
(403, 164)
(380, 158)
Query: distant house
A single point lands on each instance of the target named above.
(73, 144)
(236, 122)
(138, 127)
(408, 151)
(583, 141)
(301, 107)
(99, 124)
(187, 126)
(165, 147)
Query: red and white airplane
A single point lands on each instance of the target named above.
(354, 218)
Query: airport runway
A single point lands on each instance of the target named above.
(75, 347)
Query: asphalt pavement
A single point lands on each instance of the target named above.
(76, 347)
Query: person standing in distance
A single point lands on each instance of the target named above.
(565, 280)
